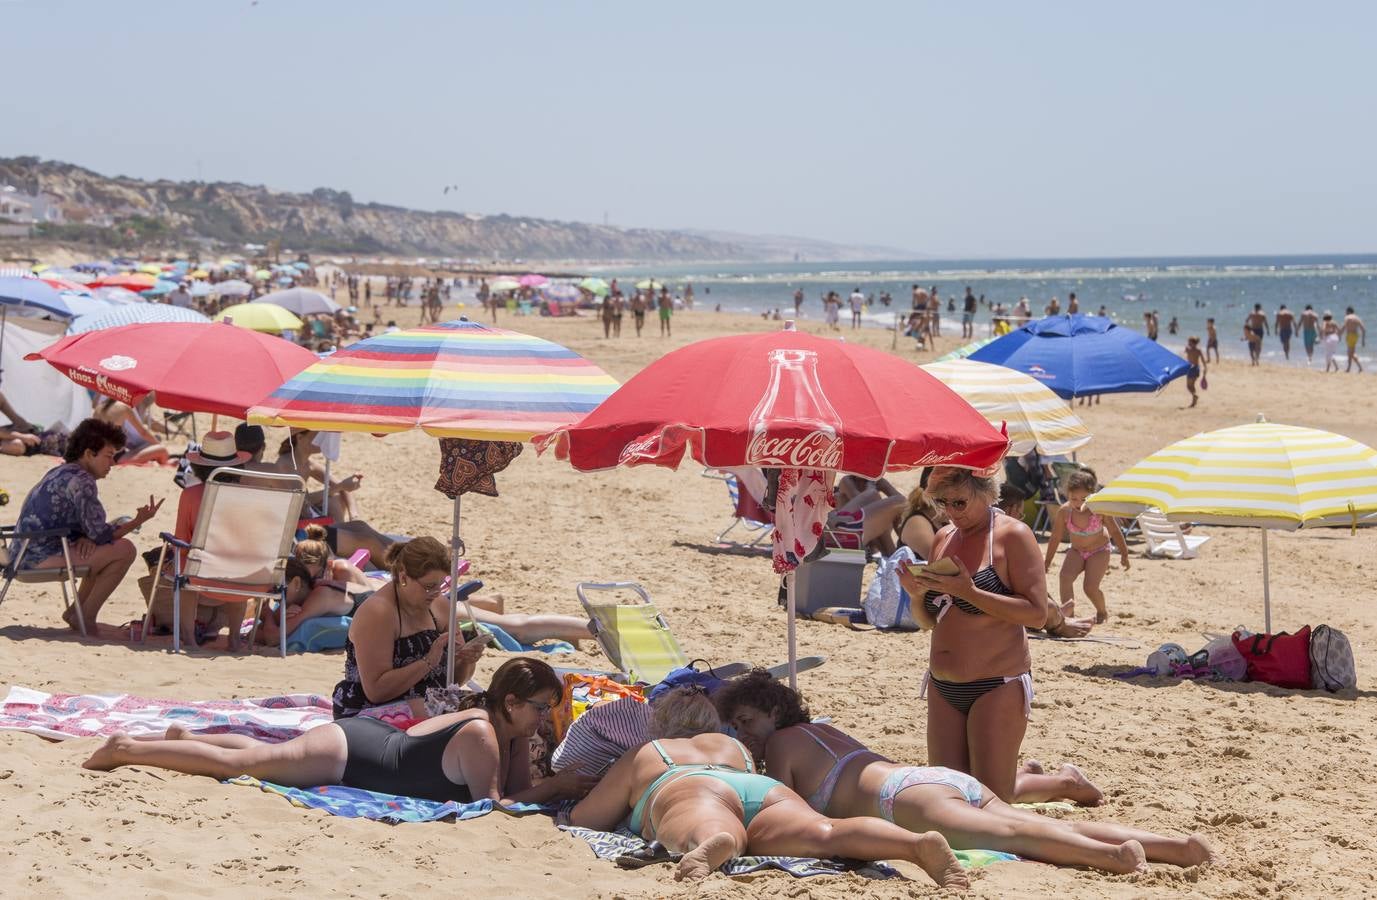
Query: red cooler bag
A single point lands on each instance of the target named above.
(1280, 659)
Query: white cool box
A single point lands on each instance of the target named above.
(834, 580)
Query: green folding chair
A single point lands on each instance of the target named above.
(634, 635)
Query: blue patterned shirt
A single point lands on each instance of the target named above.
(65, 497)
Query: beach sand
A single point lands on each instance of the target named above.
(1282, 782)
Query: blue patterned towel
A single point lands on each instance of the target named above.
(355, 803)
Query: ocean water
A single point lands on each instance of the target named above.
(1189, 289)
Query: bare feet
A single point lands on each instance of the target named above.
(1031, 767)
(1080, 789)
(707, 857)
(1129, 857)
(934, 856)
(176, 733)
(1199, 852)
(109, 755)
(1101, 616)
(69, 615)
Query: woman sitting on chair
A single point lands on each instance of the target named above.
(730, 810)
(481, 752)
(842, 777)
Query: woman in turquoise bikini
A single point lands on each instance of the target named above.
(695, 791)
(1092, 542)
(849, 779)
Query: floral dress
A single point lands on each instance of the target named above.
(65, 498)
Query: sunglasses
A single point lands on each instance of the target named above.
(954, 505)
(543, 708)
(432, 589)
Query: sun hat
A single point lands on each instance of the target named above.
(217, 449)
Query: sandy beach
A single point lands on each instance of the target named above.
(1282, 782)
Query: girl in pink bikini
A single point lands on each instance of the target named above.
(1090, 545)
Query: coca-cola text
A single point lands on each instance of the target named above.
(817, 450)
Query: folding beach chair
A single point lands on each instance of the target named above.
(1165, 537)
(180, 425)
(757, 521)
(634, 636)
(15, 543)
(243, 537)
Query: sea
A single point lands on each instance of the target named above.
(1188, 289)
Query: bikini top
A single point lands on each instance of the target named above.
(987, 579)
(1093, 527)
(820, 798)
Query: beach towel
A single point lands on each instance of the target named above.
(356, 803)
(504, 641)
(63, 716)
(330, 632)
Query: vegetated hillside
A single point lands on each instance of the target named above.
(119, 210)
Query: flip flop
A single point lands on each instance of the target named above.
(652, 854)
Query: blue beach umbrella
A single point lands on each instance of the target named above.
(1079, 355)
(160, 287)
(133, 314)
(36, 294)
(117, 295)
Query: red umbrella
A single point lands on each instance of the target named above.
(781, 399)
(210, 367)
(784, 400)
(135, 281)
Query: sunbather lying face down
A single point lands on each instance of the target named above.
(697, 793)
(480, 752)
(841, 777)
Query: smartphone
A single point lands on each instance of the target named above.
(944, 566)
(486, 637)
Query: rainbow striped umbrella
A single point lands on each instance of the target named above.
(458, 379)
(1261, 475)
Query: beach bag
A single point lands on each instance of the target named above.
(582, 691)
(1280, 659)
(1331, 660)
(1224, 660)
(886, 603)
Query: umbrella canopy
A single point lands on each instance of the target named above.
(200, 289)
(1033, 415)
(232, 288)
(262, 275)
(38, 294)
(160, 287)
(564, 293)
(782, 398)
(117, 295)
(648, 284)
(460, 379)
(532, 280)
(264, 317)
(16, 272)
(504, 284)
(133, 314)
(1263, 475)
(302, 302)
(150, 268)
(63, 284)
(594, 286)
(206, 367)
(1080, 355)
(133, 281)
(966, 350)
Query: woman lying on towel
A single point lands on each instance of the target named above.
(478, 753)
(844, 778)
(730, 810)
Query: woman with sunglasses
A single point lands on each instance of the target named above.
(980, 668)
(480, 752)
(396, 651)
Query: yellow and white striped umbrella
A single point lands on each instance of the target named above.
(1261, 475)
(1035, 416)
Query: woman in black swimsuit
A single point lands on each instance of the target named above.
(396, 650)
(480, 752)
(980, 669)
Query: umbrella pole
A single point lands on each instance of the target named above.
(325, 498)
(455, 548)
(793, 649)
(4, 317)
(1266, 588)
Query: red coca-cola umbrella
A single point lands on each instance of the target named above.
(786, 400)
(210, 367)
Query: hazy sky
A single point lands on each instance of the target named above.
(948, 129)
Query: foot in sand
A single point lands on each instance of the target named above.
(707, 857)
(1199, 852)
(109, 755)
(1080, 790)
(1128, 858)
(1031, 767)
(69, 616)
(934, 856)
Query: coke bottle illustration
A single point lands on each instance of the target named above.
(794, 426)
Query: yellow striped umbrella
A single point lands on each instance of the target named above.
(265, 317)
(1035, 416)
(1261, 475)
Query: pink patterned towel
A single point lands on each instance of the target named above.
(63, 716)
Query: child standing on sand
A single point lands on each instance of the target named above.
(1198, 367)
(1090, 545)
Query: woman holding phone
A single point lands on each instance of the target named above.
(985, 585)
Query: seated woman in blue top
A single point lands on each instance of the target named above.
(695, 791)
(66, 498)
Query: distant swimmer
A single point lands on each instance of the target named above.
(1353, 328)
(1211, 340)
(1285, 324)
(1309, 329)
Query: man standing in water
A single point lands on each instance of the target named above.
(798, 301)
(1150, 325)
(1073, 306)
(1309, 329)
(968, 307)
(1353, 328)
(1285, 324)
(1255, 326)
(666, 307)
(857, 301)
(1211, 340)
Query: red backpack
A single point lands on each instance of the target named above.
(1279, 659)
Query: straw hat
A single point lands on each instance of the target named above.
(217, 449)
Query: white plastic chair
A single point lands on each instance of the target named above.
(1165, 537)
(244, 535)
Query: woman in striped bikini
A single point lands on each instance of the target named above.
(841, 777)
(979, 668)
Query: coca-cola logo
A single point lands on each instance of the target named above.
(817, 450)
(645, 447)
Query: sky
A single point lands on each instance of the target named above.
(951, 130)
